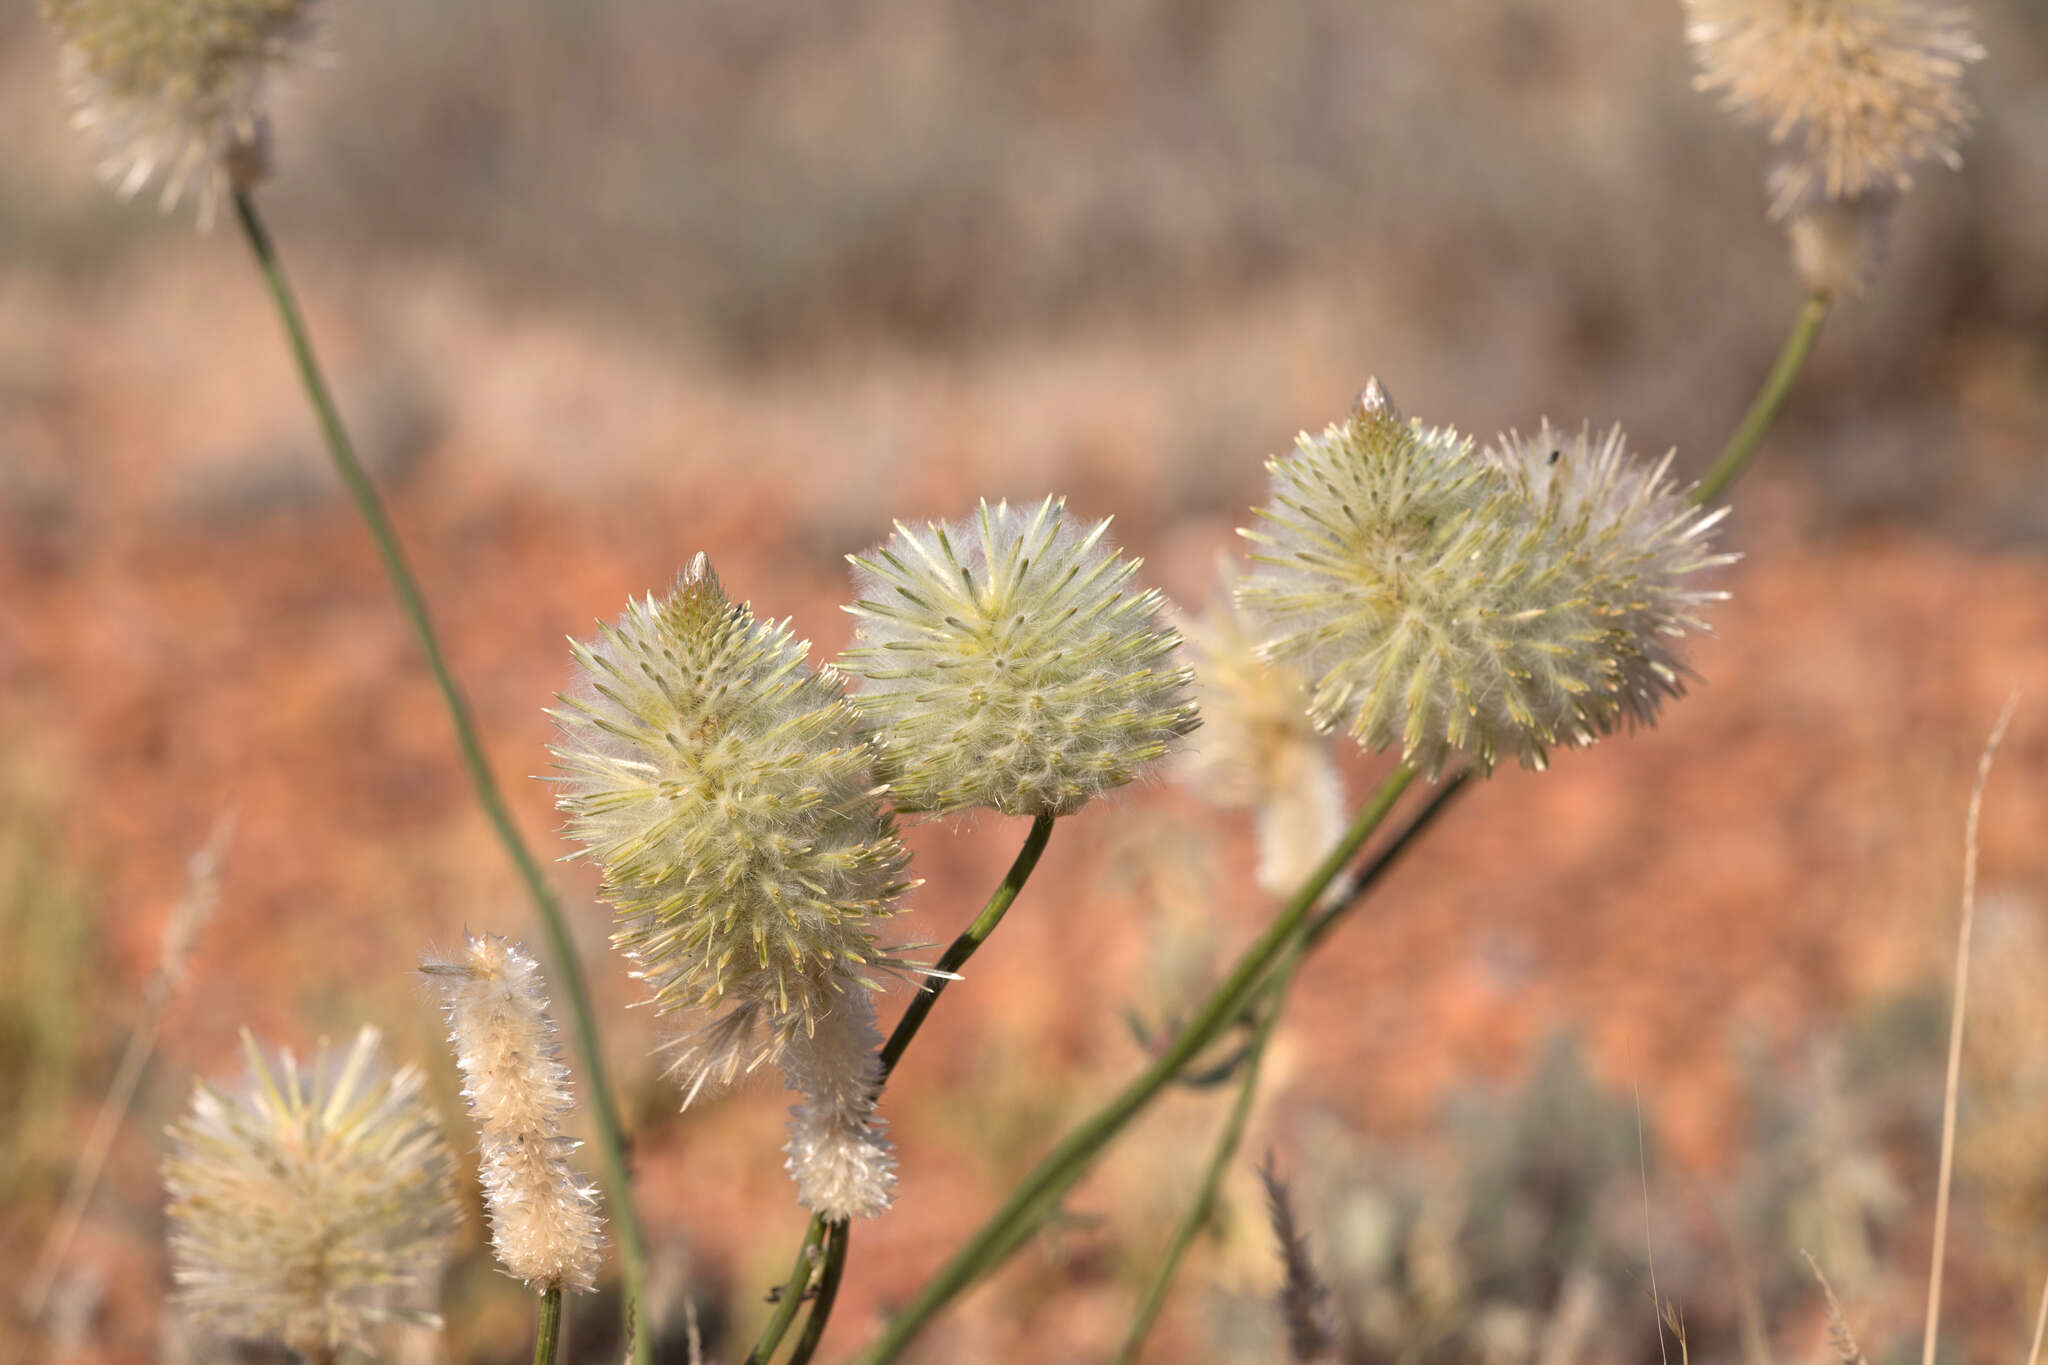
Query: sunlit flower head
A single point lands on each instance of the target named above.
(1006, 662)
(1444, 600)
(721, 785)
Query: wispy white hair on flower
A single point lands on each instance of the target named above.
(1861, 91)
(1006, 663)
(544, 1222)
(1444, 600)
(312, 1206)
(179, 89)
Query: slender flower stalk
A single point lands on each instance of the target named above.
(568, 972)
(833, 1240)
(1763, 412)
(1038, 1195)
(544, 1222)
(312, 1207)
(1203, 1206)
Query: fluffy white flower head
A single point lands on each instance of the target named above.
(1860, 90)
(311, 1207)
(544, 1222)
(1448, 601)
(179, 87)
(1006, 663)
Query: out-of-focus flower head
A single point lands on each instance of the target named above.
(179, 88)
(1861, 91)
(313, 1206)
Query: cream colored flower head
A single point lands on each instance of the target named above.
(721, 785)
(545, 1227)
(1446, 600)
(1006, 662)
(311, 1207)
(1257, 747)
(179, 89)
(1860, 91)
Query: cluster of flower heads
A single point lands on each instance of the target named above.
(179, 87)
(1859, 91)
(313, 1206)
(1442, 599)
(544, 1221)
(1005, 664)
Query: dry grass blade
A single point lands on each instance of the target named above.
(2040, 1321)
(1955, 1028)
(1303, 1297)
(1847, 1352)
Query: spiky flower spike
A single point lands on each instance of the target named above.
(1258, 748)
(1862, 89)
(1007, 664)
(544, 1222)
(313, 1206)
(719, 783)
(1445, 600)
(179, 87)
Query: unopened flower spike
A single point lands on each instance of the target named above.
(1007, 662)
(1444, 600)
(1257, 747)
(1860, 91)
(179, 88)
(723, 788)
(312, 1207)
(544, 1221)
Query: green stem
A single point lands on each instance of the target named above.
(550, 1334)
(1041, 1191)
(792, 1296)
(827, 1295)
(1227, 1143)
(1348, 893)
(568, 974)
(1743, 444)
(962, 948)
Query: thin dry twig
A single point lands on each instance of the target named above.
(1955, 1027)
(196, 905)
(1839, 1336)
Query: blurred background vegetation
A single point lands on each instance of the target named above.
(607, 283)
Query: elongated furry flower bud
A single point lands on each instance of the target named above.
(544, 1222)
(179, 87)
(840, 1161)
(1862, 90)
(720, 784)
(1006, 663)
(1258, 748)
(311, 1207)
(1446, 600)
